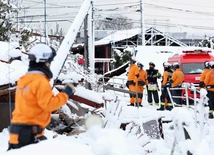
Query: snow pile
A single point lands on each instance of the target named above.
(88, 94)
(9, 50)
(55, 147)
(10, 73)
(139, 115)
(4, 136)
(95, 141)
(155, 54)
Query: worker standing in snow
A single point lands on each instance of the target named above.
(176, 81)
(204, 73)
(209, 82)
(152, 86)
(132, 81)
(165, 99)
(34, 99)
(141, 82)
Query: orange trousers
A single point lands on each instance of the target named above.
(133, 96)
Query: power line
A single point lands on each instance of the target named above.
(179, 9)
(185, 4)
(107, 4)
(164, 24)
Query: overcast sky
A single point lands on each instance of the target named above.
(166, 15)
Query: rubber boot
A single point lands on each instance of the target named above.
(169, 108)
(161, 108)
(211, 116)
(131, 105)
(140, 105)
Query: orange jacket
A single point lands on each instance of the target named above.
(202, 77)
(142, 75)
(133, 71)
(177, 78)
(34, 100)
(209, 79)
(165, 78)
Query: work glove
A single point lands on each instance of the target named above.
(69, 89)
(158, 75)
(127, 85)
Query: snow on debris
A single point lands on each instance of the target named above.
(88, 94)
(8, 50)
(10, 73)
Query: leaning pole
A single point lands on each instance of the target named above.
(68, 41)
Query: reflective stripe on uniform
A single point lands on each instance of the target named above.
(162, 103)
(210, 111)
(152, 89)
(169, 104)
(150, 103)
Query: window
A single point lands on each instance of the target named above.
(193, 68)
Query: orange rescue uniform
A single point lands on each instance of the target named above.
(141, 80)
(177, 78)
(203, 75)
(34, 102)
(209, 79)
(209, 82)
(202, 78)
(133, 80)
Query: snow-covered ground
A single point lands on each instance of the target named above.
(113, 141)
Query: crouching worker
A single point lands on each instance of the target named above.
(34, 99)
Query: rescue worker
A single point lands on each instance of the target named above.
(34, 99)
(132, 81)
(141, 82)
(165, 99)
(176, 82)
(152, 85)
(203, 75)
(209, 82)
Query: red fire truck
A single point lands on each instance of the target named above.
(191, 60)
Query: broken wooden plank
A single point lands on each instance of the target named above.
(86, 101)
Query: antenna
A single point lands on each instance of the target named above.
(45, 21)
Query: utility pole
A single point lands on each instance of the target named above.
(17, 19)
(45, 22)
(86, 48)
(86, 42)
(142, 23)
(91, 51)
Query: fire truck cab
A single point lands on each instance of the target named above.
(191, 60)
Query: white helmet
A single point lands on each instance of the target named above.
(41, 53)
(176, 65)
(133, 58)
(166, 64)
(211, 63)
(206, 64)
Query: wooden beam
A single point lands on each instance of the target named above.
(86, 101)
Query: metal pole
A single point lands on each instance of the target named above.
(91, 39)
(9, 93)
(45, 21)
(170, 96)
(142, 22)
(187, 97)
(17, 19)
(195, 107)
